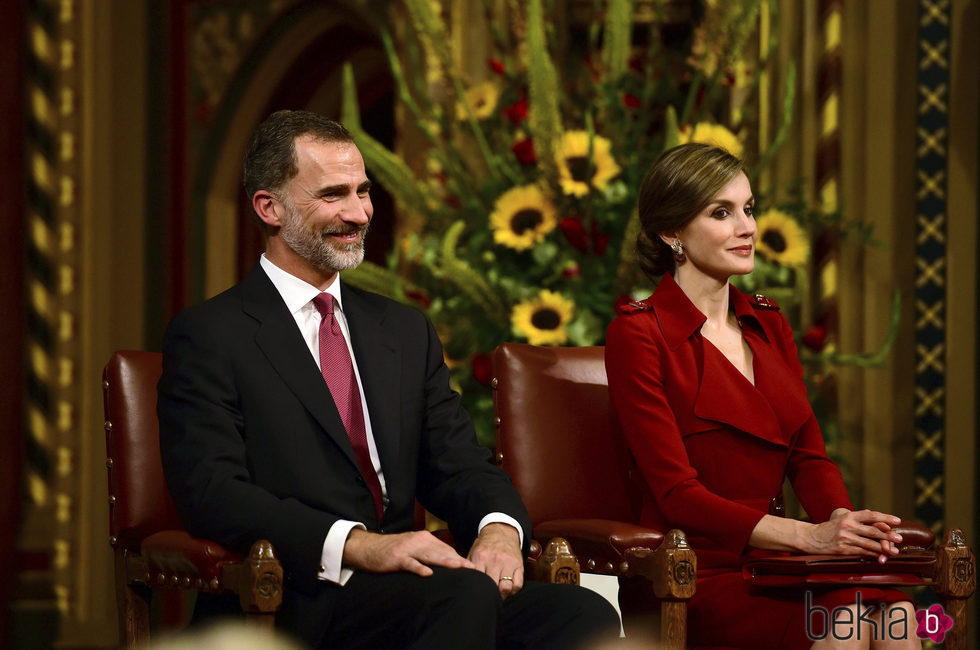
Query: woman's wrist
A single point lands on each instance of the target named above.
(803, 536)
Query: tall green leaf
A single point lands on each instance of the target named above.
(389, 169)
(466, 279)
(616, 42)
(544, 118)
(672, 132)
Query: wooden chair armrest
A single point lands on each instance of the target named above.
(602, 545)
(173, 558)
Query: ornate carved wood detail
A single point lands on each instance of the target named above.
(557, 564)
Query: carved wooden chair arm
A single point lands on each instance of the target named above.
(618, 548)
(602, 545)
(175, 559)
(621, 549)
(555, 563)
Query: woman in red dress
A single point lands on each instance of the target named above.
(707, 388)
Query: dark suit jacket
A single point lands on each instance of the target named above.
(253, 446)
(712, 448)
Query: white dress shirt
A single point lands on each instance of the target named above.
(298, 296)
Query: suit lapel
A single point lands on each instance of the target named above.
(283, 345)
(378, 363)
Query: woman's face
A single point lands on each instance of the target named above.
(720, 240)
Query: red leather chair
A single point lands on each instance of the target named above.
(152, 549)
(554, 437)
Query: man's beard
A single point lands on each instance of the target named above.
(313, 245)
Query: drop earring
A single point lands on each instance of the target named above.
(678, 249)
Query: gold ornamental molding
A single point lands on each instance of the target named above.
(52, 392)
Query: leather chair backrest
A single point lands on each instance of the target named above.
(139, 501)
(555, 433)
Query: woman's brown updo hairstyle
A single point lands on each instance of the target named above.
(678, 186)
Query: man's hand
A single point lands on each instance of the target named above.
(414, 552)
(497, 553)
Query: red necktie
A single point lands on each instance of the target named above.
(338, 372)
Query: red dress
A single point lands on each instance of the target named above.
(713, 450)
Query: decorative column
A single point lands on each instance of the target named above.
(930, 261)
(826, 247)
(51, 402)
(828, 143)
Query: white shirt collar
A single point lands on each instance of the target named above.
(297, 293)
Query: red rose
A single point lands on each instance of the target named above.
(496, 66)
(572, 271)
(815, 338)
(600, 241)
(524, 151)
(420, 298)
(630, 101)
(518, 112)
(575, 233)
(483, 368)
(453, 201)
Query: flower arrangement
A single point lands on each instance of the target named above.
(525, 220)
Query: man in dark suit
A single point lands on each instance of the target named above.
(327, 462)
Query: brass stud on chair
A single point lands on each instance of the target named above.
(105, 385)
(107, 426)
(112, 499)
(497, 421)
(494, 383)
(108, 463)
(590, 565)
(113, 540)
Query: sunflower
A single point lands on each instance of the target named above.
(715, 134)
(542, 320)
(781, 239)
(574, 165)
(521, 217)
(482, 100)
